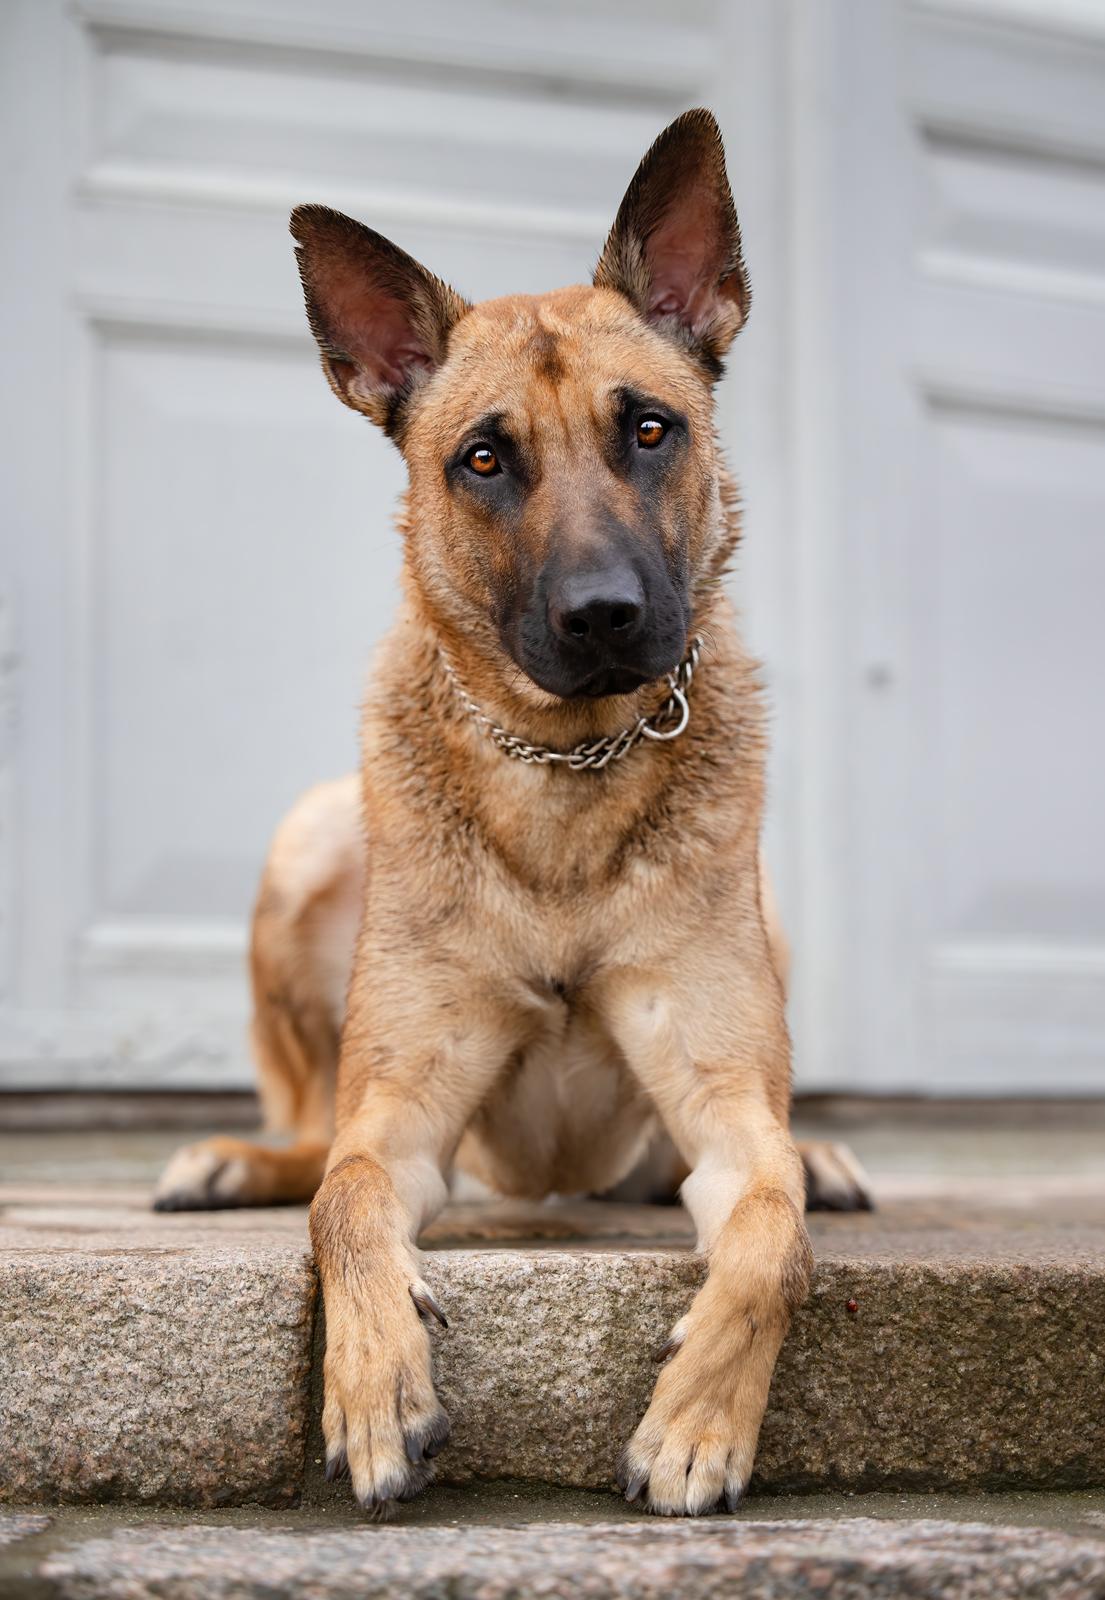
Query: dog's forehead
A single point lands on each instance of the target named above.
(579, 308)
(580, 344)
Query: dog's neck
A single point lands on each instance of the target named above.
(549, 826)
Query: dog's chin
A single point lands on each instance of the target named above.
(607, 683)
(612, 681)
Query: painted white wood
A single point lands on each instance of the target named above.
(204, 551)
(971, 393)
(198, 550)
(815, 895)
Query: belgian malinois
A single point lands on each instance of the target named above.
(564, 941)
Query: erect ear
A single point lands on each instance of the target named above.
(675, 247)
(382, 321)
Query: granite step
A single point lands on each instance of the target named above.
(520, 1544)
(174, 1360)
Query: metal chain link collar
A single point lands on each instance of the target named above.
(592, 755)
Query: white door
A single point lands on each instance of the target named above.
(969, 325)
(197, 543)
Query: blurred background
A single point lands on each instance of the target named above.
(197, 544)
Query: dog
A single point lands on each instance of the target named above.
(533, 940)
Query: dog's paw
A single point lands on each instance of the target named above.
(688, 1466)
(382, 1421)
(835, 1181)
(211, 1176)
(693, 1451)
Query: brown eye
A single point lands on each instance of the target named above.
(650, 430)
(483, 460)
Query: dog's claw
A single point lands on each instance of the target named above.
(733, 1497)
(425, 1443)
(337, 1466)
(380, 1502)
(378, 1510)
(666, 1351)
(636, 1483)
(427, 1307)
(415, 1483)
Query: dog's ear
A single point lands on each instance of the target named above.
(382, 321)
(675, 247)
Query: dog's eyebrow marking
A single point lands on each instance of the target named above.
(627, 398)
(544, 348)
(492, 425)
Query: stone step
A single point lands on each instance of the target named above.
(174, 1360)
(525, 1544)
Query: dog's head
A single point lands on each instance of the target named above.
(564, 478)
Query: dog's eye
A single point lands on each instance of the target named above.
(482, 460)
(650, 430)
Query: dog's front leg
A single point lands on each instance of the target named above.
(694, 1448)
(404, 1116)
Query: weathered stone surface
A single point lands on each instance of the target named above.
(549, 1358)
(645, 1561)
(978, 1373)
(17, 1525)
(982, 1372)
(164, 1359)
(157, 1373)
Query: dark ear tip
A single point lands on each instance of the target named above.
(308, 221)
(301, 220)
(699, 121)
(698, 116)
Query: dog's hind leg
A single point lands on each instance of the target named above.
(304, 927)
(222, 1172)
(835, 1180)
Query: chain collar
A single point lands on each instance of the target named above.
(592, 755)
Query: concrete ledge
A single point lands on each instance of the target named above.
(169, 1360)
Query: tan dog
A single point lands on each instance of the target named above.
(556, 957)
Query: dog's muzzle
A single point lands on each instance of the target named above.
(601, 628)
(593, 754)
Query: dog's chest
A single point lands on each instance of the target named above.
(567, 1116)
(580, 836)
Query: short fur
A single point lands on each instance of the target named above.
(552, 966)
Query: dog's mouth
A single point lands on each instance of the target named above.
(610, 681)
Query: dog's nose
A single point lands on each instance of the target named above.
(602, 608)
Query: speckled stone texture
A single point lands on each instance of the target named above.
(971, 1373)
(650, 1561)
(17, 1525)
(975, 1374)
(165, 1359)
(166, 1374)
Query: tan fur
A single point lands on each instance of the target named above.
(552, 966)
(304, 933)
